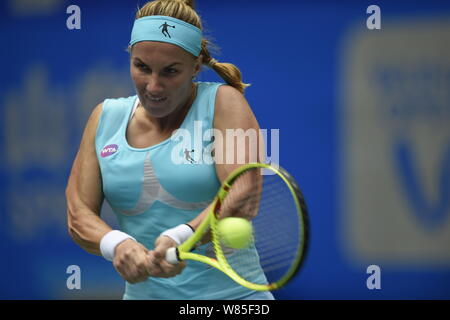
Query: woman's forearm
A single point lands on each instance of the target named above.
(87, 229)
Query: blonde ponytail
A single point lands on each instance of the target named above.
(227, 71)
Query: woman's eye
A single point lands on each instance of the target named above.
(141, 66)
(171, 70)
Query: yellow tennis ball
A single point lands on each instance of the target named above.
(235, 232)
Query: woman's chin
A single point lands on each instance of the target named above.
(156, 110)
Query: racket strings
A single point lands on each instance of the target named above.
(268, 203)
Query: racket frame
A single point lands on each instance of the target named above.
(184, 252)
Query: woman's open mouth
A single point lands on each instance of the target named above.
(157, 99)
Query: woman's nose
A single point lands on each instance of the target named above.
(154, 85)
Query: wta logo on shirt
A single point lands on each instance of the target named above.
(109, 150)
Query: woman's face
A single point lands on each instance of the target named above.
(162, 75)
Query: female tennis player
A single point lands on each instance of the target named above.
(128, 157)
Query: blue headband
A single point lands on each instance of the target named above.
(167, 29)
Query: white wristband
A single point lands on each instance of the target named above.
(180, 233)
(110, 241)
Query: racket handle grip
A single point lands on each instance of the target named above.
(172, 256)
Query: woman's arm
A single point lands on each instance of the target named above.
(84, 192)
(241, 141)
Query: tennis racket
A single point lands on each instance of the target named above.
(272, 201)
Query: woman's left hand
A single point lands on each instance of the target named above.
(157, 259)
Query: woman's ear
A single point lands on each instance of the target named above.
(198, 65)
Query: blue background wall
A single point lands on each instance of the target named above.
(363, 118)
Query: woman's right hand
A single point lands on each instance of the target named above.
(131, 261)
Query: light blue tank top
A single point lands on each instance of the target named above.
(159, 187)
